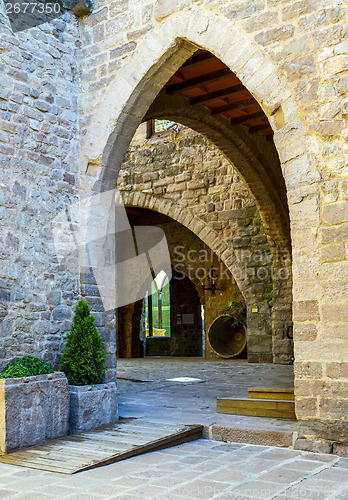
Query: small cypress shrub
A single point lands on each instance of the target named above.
(27, 366)
(83, 360)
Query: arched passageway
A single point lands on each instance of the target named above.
(257, 162)
(159, 54)
(192, 259)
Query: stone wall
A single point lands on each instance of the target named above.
(39, 176)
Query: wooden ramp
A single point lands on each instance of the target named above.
(102, 446)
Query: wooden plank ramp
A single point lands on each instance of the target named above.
(102, 446)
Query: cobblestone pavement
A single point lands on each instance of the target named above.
(144, 390)
(201, 469)
(197, 470)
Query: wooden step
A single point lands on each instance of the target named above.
(270, 393)
(105, 445)
(270, 408)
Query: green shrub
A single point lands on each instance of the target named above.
(236, 311)
(26, 367)
(83, 360)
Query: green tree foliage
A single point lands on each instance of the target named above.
(83, 360)
(27, 366)
(235, 310)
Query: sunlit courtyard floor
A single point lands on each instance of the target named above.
(144, 390)
(201, 469)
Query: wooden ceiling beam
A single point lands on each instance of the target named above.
(247, 118)
(218, 94)
(198, 81)
(197, 60)
(260, 128)
(245, 103)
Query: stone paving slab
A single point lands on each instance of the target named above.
(197, 470)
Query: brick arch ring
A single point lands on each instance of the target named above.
(199, 228)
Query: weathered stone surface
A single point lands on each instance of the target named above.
(275, 35)
(336, 213)
(313, 446)
(33, 410)
(92, 406)
(251, 436)
(60, 313)
(164, 8)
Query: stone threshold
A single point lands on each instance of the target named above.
(247, 435)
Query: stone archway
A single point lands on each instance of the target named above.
(263, 346)
(117, 118)
(141, 77)
(191, 260)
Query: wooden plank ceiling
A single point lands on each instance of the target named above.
(205, 80)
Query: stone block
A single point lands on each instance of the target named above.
(92, 406)
(61, 313)
(332, 253)
(275, 35)
(313, 446)
(335, 65)
(331, 315)
(336, 213)
(33, 410)
(328, 128)
(308, 369)
(331, 234)
(297, 9)
(264, 20)
(337, 370)
(306, 310)
(164, 8)
(260, 437)
(340, 449)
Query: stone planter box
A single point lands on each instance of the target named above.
(92, 406)
(33, 410)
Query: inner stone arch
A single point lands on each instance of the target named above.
(189, 256)
(133, 185)
(260, 181)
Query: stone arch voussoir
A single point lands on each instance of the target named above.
(198, 228)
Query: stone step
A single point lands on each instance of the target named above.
(268, 435)
(257, 407)
(271, 393)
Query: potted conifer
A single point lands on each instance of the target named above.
(92, 401)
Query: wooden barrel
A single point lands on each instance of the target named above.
(226, 340)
